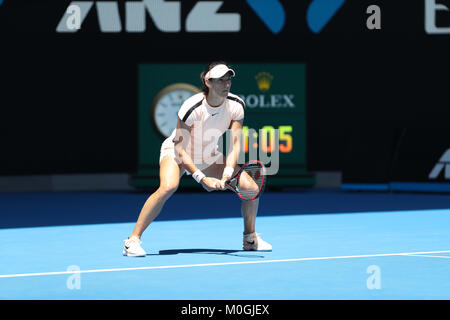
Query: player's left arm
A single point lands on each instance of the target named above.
(233, 153)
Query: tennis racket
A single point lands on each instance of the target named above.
(249, 182)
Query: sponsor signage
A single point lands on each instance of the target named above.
(432, 9)
(204, 16)
(412, 160)
(274, 126)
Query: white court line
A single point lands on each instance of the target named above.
(215, 264)
(427, 256)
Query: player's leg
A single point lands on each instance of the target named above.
(169, 175)
(251, 241)
(249, 209)
(169, 180)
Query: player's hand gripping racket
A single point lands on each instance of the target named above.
(249, 181)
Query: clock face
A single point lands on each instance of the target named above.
(166, 106)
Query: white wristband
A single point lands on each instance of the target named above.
(228, 171)
(198, 176)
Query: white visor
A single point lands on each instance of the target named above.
(218, 71)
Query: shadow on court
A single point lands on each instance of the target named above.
(234, 253)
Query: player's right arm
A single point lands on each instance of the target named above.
(181, 140)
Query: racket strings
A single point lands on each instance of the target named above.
(256, 173)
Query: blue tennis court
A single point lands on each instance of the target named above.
(326, 245)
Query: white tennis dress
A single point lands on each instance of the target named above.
(207, 125)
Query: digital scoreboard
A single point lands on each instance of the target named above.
(274, 126)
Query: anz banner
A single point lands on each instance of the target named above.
(200, 16)
(173, 17)
(276, 17)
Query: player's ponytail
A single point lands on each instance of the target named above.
(205, 89)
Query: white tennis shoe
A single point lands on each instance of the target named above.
(253, 242)
(133, 248)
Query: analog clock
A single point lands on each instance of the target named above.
(166, 105)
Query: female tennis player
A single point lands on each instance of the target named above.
(192, 148)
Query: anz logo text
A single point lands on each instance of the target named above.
(203, 17)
